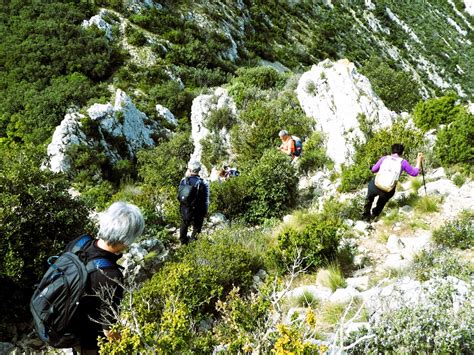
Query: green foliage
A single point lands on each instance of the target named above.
(213, 151)
(261, 77)
(434, 112)
(391, 84)
(314, 154)
(185, 291)
(171, 95)
(315, 244)
(456, 234)
(165, 164)
(455, 142)
(427, 204)
(334, 277)
(219, 119)
(439, 325)
(49, 63)
(261, 122)
(264, 189)
(377, 145)
(438, 263)
(135, 37)
(240, 317)
(37, 217)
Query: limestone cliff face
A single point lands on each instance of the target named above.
(337, 96)
(121, 121)
(202, 106)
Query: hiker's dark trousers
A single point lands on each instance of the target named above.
(189, 217)
(372, 192)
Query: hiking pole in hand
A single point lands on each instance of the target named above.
(423, 175)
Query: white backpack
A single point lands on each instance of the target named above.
(389, 173)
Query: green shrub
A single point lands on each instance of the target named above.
(260, 77)
(219, 119)
(456, 234)
(434, 112)
(37, 217)
(314, 154)
(438, 262)
(262, 120)
(316, 244)
(440, 324)
(135, 37)
(455, 142)
(391, 84)
(272, 187)
(214, 151)
(183, 292)
(334, 277)
(427, 204)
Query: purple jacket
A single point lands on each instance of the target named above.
(405, 166)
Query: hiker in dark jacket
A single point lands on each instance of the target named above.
(193, 205)
(119, 226)
(388, 169)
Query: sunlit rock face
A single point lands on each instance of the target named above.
(337, 97)
(121, 122)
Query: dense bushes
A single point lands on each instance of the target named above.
(391, 85)
(37, 217)
(265, 189)
(440, 324)
(183, 293)
(314, 154)
(49, 63)
(456, 234)
(455, 142)
(434, 112)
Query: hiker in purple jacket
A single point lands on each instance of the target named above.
(388, 169)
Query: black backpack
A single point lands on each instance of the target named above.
(57, 296)
(188, 193)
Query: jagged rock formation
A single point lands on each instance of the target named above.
(202, 106)
(119, 122)
(337, 96)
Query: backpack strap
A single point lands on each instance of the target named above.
(99, 263)
(81, 243)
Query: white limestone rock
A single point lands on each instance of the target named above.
(68, 133)
(100, 23)
(200, 109)
(344, 295)
(436, 174)
(461, 199)
(166, 114)
(469, 4)
(122, 119)
(360, 283)
(335, 95)
(441, 187)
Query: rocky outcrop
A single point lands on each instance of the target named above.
(119, 124)
(100, 23)
(337, 96)
(202, 106)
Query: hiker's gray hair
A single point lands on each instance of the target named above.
(194, 166)
(121, 223)
(283, 133)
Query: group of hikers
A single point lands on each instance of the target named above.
(122, 223)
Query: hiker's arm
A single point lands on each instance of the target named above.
(419, 160)
(376, 167)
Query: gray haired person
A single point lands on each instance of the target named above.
(119, 226)
(193, 196)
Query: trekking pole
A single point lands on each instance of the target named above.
(423, 175)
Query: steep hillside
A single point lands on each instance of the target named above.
(109, 100)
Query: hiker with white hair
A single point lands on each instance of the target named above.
(290, 145)
(193, 196)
